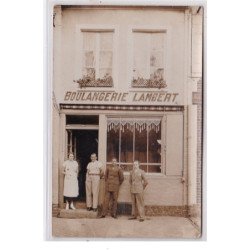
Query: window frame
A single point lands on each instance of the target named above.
(161, 163)
(166, 48)
(79, 50)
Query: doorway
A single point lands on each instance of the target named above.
(82, 142)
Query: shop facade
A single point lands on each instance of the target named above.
(125, 86)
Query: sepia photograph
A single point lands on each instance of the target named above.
(126, 115)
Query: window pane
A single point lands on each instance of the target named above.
(142, 73)
(127, 144)
(140, 58)
(154, 144)
(141, 145)
(90, 72)
(154, 169)
(143, 167)
(106, 58)
(89, 40)
(127, 167)
(105, 73)
(156, 59)
(89, 59)
(148, 60)
(141, 48)
(140, 64)
(156, 74)
(140, 139)
(141, 41)
(112, 144)
(106, 40)
(157, 41)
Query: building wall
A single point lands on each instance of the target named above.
(177, 186)
(197, 74)
(199, 146)
(123, 21)
(161, 191)
(197, 79)
(55, 152)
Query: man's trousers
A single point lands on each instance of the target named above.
(110, 196)
(92, 190)
(138, 205)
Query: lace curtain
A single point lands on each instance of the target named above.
(139, 124)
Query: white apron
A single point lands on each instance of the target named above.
(70, 188)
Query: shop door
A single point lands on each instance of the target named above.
(82, 143)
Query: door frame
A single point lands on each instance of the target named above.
(102, 143)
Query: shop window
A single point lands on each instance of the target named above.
(135, 139)
(148, 59)
(97, 59)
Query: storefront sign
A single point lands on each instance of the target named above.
(128, 97)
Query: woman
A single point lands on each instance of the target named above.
(70, 190)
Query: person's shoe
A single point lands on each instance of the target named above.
(102, 216)
(132, 218)
(72, 206)
(94, 209)
(89, 208)
(67, 206)
(141, 220)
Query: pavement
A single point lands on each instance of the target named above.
(77, 214)
(157, 227)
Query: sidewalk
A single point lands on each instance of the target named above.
(161, 227)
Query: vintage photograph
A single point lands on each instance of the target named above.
(127, 122)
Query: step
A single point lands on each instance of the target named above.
(76, 214)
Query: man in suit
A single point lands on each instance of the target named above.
(138, 183)
(113, 179)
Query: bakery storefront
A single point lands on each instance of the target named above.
(121, 89)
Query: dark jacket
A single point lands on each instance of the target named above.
(113, 178)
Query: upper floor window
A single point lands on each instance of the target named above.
(97, 57)
(149, 59)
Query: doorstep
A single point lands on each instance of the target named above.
(77, 214)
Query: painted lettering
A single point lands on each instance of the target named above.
(83, 94)
(154, 96)
(67, 96)
(148, 97)
(159, 99)
(107, 96)
(101, 96)
(167, 97)
(174, 94)
(88, 97)
(78, 96)
(134, 99)
(141, 98)
(124, 97)
(95, 96)
(119, 96)
(113, 97)
(72, 96)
